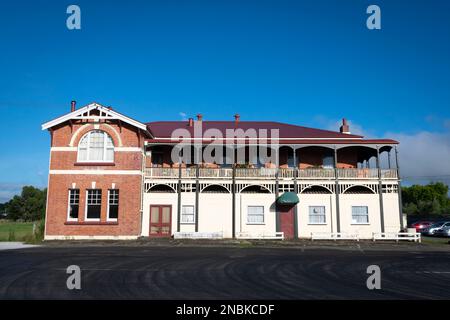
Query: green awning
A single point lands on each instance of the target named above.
(288, 198)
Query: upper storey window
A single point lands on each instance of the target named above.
(96, 146)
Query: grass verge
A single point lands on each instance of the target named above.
(21, 231)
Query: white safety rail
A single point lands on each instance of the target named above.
(260, 235)
(410, 236)
(334, 236)
(270, 173)
(198, 235)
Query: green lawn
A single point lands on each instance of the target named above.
(20, 230)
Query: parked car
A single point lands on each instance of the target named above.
(431, 230)
(420, 225)
(443, 232)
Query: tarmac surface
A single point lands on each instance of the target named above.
(201, 270)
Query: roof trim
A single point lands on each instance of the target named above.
(324, 141)
(108, 114)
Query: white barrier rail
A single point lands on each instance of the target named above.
(334, 236)
(260, 236)
(198, 235)
(410, 236)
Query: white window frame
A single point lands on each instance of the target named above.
(263, 216)
(105, 147)
(69, 203)
(86, 208)
(324, 215)
(361, 223)
(107, 208)
(181, 218)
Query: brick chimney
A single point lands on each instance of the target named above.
(236, 118)
(199, 117)
(345, 128)
(190, 122)
(73, 105)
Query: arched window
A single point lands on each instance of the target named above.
(96, 146)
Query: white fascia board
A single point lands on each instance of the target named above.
(73, 115)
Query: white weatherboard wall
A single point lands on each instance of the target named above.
(158, 198)
(307, 200)
(215, 213)
(243, 200)
(372, 201)
(391, 212)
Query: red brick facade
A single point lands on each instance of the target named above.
(125, 176)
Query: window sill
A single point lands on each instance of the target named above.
(91, 223)
(317, 224)
(188, 223)
(255, 224)
(360, 224)
(94, 164)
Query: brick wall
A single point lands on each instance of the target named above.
(64, 141)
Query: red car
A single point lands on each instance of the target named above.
(420, 225)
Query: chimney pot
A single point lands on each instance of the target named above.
(199, 117)
(345, 128)
(191, 122)
(73, 104)
(236, 118)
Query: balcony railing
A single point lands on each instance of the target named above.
(270, 173)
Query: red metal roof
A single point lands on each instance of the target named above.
(164, 129)
(288, 133)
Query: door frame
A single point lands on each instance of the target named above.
(160, 212)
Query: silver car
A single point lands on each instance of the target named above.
(431, 230)
(443, 232)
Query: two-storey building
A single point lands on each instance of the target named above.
(112, 177)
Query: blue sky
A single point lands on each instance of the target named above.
(304, 62)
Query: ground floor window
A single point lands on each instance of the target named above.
(187, 214)
(317, 215)
(360, 214)
(255, 215)
(74, 202)
(113, 204)
(93, 204)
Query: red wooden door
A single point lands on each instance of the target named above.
(286, 220)
(160, 220)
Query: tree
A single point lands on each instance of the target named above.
(29, 205)
(426, 199)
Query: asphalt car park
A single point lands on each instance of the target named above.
(189, 271)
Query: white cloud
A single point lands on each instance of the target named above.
(424, 156)
(9, 190)
(334, 125)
